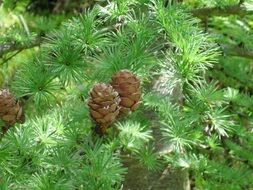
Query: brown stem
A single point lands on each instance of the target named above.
(238, 51)
(203, 13)
(9, 58)
(13, 46)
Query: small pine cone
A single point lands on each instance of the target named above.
(129, 88)
(104, 105)
(10, 110)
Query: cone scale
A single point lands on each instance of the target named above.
(103, 106)
(129, 88)
(11, 111)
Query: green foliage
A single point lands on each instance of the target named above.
(131, 47)
(196, 105)
(118, 8)
(35, 82)
(194, 50)
(211, 3)
(42, 149)
(87, 33)
(149, 159)
(132, 135)
(102, 169)
(65, 58)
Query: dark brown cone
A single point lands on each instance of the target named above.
(129, 88)
(10, 110)
(103, 104)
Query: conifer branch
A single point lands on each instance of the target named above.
(14, 46)
(238, 51)
(203, 13)
(10, 57)
(241, 85)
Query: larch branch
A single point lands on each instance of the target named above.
(13, 46)
(239, 10)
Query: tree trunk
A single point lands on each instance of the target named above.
(138, 177)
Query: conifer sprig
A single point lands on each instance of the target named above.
(35, 82)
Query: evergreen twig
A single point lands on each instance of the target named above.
(13, 46)
(9, 58)
(203, 13)
(238, 51)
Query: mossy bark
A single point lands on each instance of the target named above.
(139, 178)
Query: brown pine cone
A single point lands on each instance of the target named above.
(10, 110)
(129, 88)
(104, 105)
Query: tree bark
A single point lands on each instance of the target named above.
(138, 177)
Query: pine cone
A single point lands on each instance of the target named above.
(104, 105)
(10, 110)
(129, 88)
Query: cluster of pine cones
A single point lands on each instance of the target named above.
(107, 101)
(11, 111)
